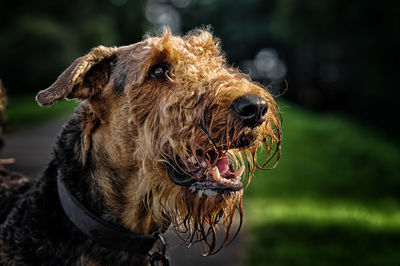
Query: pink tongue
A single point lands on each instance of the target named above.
(223, 165)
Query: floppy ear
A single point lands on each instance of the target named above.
(84, 78)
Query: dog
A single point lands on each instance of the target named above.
(165, 136)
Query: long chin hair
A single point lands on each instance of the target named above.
(202, 216)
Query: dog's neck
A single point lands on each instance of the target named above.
(95, 179)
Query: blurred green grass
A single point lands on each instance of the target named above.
(22, 111)
(334, 198)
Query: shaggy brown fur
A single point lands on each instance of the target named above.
(159, 110)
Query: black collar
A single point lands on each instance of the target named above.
(98, 230)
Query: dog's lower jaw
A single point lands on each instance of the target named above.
(191, 214)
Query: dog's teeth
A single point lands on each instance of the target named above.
(216, 174)
(239, 172)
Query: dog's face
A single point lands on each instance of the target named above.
(180, 126)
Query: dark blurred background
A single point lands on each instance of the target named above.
(334, 198)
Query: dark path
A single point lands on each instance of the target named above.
(32, 148)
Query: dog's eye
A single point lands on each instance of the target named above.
(159, 71)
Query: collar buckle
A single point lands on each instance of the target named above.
(159, 255)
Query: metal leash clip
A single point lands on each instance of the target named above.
(159, 255)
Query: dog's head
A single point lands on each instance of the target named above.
(179, 127)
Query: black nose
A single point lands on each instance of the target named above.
(251, 109)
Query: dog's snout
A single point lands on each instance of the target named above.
(250, 109)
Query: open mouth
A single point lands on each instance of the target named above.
(207, 172)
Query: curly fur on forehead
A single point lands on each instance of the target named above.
(197, 44)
